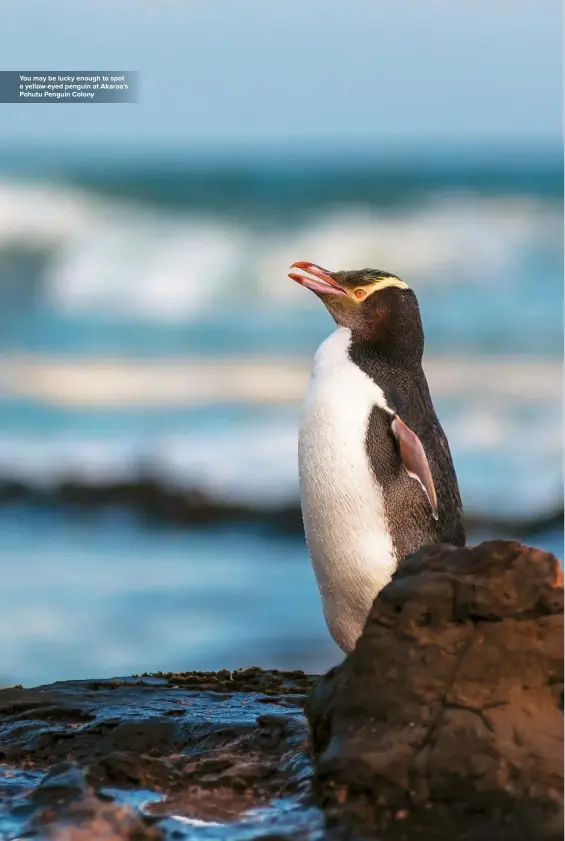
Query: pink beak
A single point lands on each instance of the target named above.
(325, 283)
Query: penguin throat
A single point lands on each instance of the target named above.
(397, 339)
(389, 322)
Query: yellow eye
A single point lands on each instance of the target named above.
(360, 294)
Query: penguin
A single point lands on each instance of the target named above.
(377, 480)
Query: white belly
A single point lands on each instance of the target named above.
(342, 503)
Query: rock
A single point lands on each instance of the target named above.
(446, 721)
(158, 757)
(70, 810)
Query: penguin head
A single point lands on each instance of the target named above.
(374, 305)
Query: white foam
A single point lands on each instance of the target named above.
(446, 239)
(195, 821)
(102, 255)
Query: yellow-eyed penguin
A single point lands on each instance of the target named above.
(377, 480)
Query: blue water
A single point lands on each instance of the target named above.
(102, 596)
(469, 319)
(150, 259)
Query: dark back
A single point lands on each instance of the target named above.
(408, 511)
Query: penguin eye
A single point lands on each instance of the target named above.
(360, 294)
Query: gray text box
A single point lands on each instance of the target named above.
(68, 86)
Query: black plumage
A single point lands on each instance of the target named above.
(387, 344)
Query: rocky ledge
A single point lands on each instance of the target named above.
(167, 756)
(445, 722)
(447, 719)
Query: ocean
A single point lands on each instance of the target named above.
(146, 319)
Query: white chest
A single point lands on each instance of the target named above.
(342, 503)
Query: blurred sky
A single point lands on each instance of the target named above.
(244, 75)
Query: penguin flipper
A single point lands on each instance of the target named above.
(414, 459)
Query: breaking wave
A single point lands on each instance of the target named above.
(78, 253)
(134, 279)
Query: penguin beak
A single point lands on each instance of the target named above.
(324, 284)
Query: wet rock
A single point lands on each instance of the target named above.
(103, 760)
(446, 721)
(62, 784)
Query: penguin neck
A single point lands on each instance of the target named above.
(403, 351)
(391, 329)
(397, 338)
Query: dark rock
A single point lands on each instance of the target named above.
(446, 721)
(63, 783)
(101, 760)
